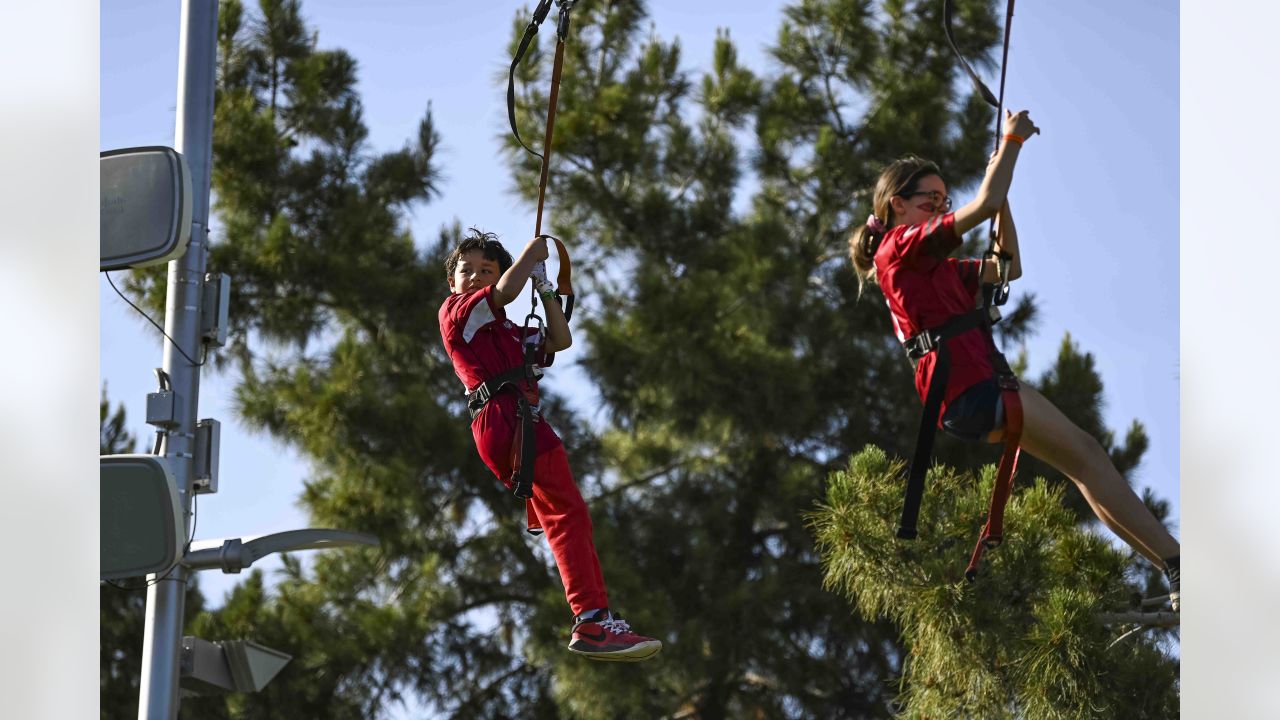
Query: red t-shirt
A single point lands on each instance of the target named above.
(924, 288)
(482, 344)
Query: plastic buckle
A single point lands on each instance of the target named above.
(477, 398)
(921, 345)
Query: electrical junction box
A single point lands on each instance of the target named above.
(214, 308)
(160, 409)
(208, 440)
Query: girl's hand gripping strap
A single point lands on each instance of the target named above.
(1001, 293)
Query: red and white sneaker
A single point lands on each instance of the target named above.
(604, 636)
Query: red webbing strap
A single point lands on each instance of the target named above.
(993, 532)
(564, 286)
(551, 126)
(564, 282)
(524, 450)
(533, 525)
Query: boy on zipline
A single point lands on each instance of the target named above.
(903, 247)
(485, 346)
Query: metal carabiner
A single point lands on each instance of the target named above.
(542, 328)
(1000, 289)
(562, 26)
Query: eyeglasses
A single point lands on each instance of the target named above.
(938, 199)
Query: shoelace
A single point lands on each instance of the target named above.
(616, 625)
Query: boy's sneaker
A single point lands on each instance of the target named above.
(603, 636)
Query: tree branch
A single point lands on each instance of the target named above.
(1153, 619)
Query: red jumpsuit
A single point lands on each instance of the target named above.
(482, 344)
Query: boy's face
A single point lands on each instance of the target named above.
(474, 271)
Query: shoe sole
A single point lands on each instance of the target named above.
(640, 652)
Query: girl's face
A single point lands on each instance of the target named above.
(926, 202)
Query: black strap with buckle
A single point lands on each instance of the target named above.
(927, 341)
(522, 480)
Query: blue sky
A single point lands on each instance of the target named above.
(1096, 196)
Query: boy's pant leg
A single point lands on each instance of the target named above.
(564, 517)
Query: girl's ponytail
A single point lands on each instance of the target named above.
(900, 177)
(862, 249)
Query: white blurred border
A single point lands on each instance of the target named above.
(1230, 246)
(49, 358)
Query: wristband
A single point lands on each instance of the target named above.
(1016, 138)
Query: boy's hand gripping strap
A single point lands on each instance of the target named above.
(564, 287)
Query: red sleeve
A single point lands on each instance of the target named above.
(458, 309)
(928, 242)
(970, 272)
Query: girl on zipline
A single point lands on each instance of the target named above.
(903, 247)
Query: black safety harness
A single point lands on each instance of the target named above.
(935, 340)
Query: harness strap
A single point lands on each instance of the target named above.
(539, 14)
(995, 294)
(924, 444)
(564, 283)
(556, 70)
(993, 532)
(934, 340)
(524, 448)
(917, 347)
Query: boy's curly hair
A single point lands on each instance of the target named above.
(485, 242)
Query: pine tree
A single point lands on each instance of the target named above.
(1024, 640)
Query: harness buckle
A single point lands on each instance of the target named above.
(922, 344)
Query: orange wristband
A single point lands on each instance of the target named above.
(1016, 138)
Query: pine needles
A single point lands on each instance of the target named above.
(1024, 640)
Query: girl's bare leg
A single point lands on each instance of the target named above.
(1052, 437)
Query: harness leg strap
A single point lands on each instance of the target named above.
(523, 452)
(907, 529)
(993, 532)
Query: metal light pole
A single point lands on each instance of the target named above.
(193, 137)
